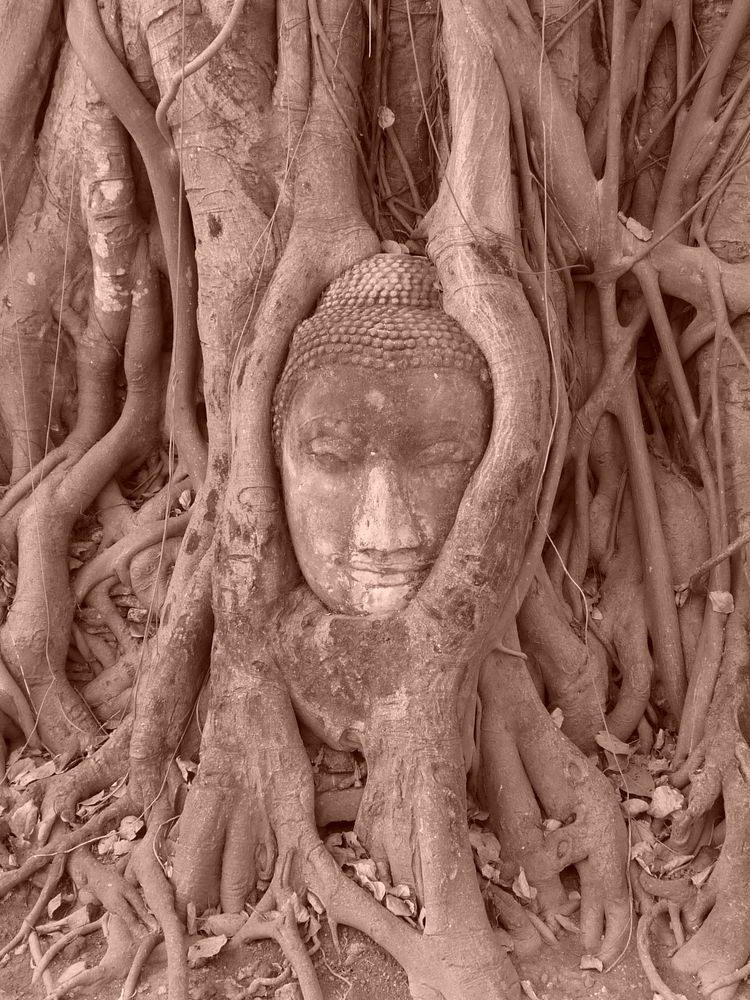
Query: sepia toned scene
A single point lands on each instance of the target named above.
(375, 499)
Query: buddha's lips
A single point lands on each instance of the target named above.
(387, 574)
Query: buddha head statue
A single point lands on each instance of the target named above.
(381, 415)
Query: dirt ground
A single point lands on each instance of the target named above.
(362, 972)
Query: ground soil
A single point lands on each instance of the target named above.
(363, 971)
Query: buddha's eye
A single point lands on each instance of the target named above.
(443, 453)
(334, 454)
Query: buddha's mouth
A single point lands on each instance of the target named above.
(388, 574)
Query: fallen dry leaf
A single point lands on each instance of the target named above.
(609, 742)
(521, 886)
(591, 962)
(200, 952)
(401, 907)
(665, 801)
(485, 844)
(129, 827)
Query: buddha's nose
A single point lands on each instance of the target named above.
(384, 521)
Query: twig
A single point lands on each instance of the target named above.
(548, 46)
(735, 546)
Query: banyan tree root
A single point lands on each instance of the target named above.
(722, 942)
(30, 920)
(62, 942)
(34, 638)
(531, 773)
(524, 935)
(92, 829)
(131, 929)
(118, 895)
(58, 796)
(16, 718)
(644, 927)
(113, 967)
(263, 804)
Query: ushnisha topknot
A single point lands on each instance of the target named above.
(385, 313)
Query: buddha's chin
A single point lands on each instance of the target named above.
(385, 600)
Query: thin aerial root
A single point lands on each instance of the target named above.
(193, 66)
(62, 943)
(644, 926)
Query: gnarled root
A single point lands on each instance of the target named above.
(575, 674)
(118, 896)
(61, 793)
(124, 923)
(722, 943)
(275, 918)
(114, 966)
(529, 766)
(253, 733)
(644, 926)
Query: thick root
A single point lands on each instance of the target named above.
(722, 944)
(523, 747)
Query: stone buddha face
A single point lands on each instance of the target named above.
(381, 416)
(374, 466)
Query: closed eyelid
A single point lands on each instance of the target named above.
(447, 448)
(331, 442)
